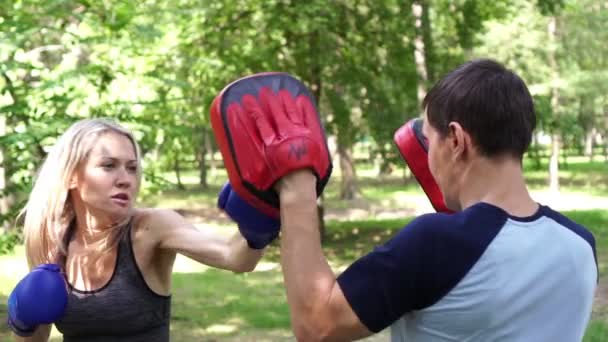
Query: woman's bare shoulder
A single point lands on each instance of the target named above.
(155, 218)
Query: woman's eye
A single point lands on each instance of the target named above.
(132, 168)
(107, 166)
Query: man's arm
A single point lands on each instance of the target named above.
(319, 310)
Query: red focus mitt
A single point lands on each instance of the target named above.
(413, 148)
(266, 125)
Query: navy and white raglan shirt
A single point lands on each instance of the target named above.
(478, 275)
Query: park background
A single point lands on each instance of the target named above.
(156, 65)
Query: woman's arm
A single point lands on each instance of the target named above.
(41, 335)
(172, 232)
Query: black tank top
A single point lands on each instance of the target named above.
(125, 309)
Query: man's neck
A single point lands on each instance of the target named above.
(499, 182)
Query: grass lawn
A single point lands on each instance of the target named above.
(214, 305)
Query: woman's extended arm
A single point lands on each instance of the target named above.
(41, 335)
(173, 232)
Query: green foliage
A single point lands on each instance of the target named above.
(8, 241)
(549, 7)
(157, 66)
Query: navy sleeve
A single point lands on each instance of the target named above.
(416, 268)
(576, 228)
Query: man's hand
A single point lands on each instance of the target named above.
(297, 187)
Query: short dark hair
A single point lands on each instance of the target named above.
(490, 102)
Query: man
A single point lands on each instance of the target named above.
(502, 268)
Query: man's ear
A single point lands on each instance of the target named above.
(459, 139)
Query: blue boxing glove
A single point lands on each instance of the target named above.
(39, 298)
(256, 227)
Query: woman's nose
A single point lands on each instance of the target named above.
(124, 179)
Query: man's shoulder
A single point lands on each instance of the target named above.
(431, 226)
(479, 217)
(569, 223)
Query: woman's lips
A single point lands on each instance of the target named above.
(121, 199)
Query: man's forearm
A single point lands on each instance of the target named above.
(308, 277)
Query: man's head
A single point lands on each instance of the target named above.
(491, 103)
(479, 110)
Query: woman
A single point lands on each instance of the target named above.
(117, 258)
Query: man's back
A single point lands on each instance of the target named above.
(534, 281)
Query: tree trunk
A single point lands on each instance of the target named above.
(589, 139)
(176, 169)
(563, 153)
(430, 61)
(202, 163)
(348, 185)
(555, 138)
(422, 49)
(419, 50)
(211, 151)
(202, 168)
(315, 77)
(385, 166)
(554, 164)
(5, 198)
(535, 153)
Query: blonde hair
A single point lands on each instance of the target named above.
(48, 212)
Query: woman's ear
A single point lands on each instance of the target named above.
(73, 182)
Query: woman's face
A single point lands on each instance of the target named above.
(106, 182)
